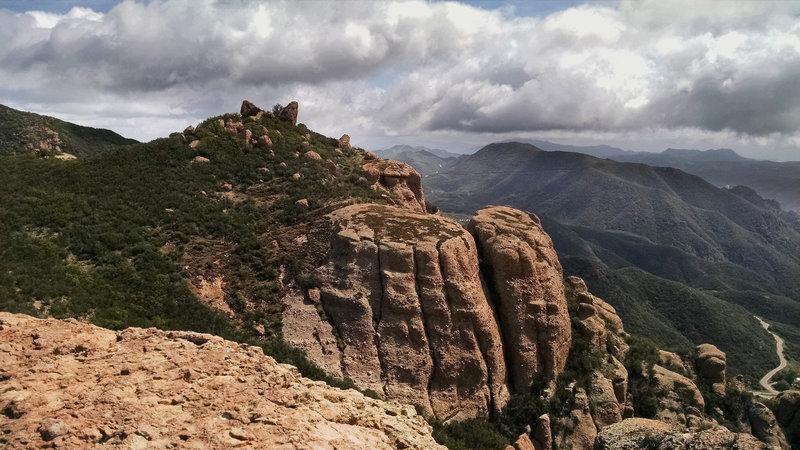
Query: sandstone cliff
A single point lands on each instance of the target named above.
(71, 385)
(415, 321)
(529, 296)
(404, 294)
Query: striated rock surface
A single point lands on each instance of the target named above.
(526, 277)
(401, 180)
(637, 434)
(711, 363)
(71, 385)
(305, 330)
(404, 293)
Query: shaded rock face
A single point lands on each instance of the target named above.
(636, 434)
(289, 113)
(526, 276)
(710, 364)
(788, 415)
(403, 183)
(404, 294)
(71, 385)
(765, 426)
(605, 406)
(248, 109)
(579, 431)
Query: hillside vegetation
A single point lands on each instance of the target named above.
(153, 235)
(24, 133)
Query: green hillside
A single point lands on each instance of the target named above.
(117, 237)
(23, 133)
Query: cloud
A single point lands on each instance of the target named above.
(382, 69)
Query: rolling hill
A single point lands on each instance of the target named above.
(28, 133)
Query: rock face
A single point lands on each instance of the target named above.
(289, 113)
(765, 426)
(636, 434)
(248, 109)
(71, 385)
(593, 316)
(788, 416)
(403, 183)
(711, 363)
(404, 293)
(526, 277)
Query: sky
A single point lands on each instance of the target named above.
(641, 75)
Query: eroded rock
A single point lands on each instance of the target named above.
(181, 390)
(404, 293)
(529, 293)
(403, 183)
(711, 363)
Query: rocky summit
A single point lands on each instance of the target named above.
(71, 385)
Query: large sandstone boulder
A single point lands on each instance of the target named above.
(637, 434)
(289, 113)
(404, 293)
(401, 180)
(710, 364)
(678, 396)
(70, 385)
(525, 275)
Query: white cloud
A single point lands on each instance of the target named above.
(724, 70)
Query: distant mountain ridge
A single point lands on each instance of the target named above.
(722, 167)
(395, 150)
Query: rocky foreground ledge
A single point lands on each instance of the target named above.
(67, 384)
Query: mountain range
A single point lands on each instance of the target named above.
(722, 167)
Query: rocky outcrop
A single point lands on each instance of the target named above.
(71, 385)
(710, 364)
(765, 426)
(605, 406)
(404, 294)
(637, 434)
(304, 330)
(343, 142)
(788, 416)
(248, 109)
(578, 430)
(598, 321)
(289, 112)
(402, 182)
(678, 396)
(526, 280)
